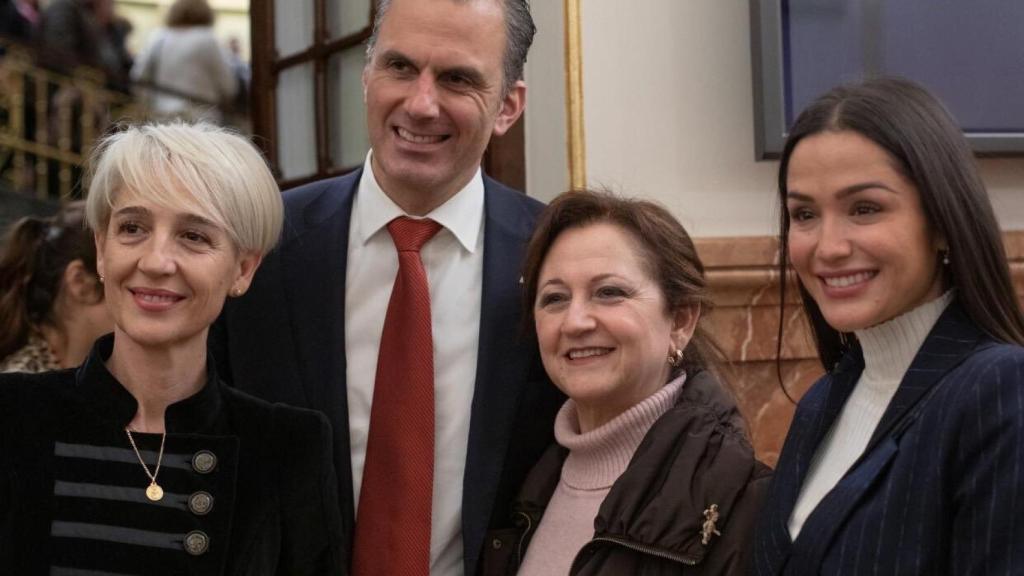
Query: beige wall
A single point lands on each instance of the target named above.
(669, 114)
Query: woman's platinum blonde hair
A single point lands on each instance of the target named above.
(199, 167)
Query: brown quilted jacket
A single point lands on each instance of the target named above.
(653, 520)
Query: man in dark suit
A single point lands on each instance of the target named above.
(442, 77)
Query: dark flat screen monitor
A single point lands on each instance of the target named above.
(968, 53)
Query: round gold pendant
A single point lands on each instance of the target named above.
(154, 492)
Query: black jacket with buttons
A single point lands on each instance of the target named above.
(651, 522)
(249, 487)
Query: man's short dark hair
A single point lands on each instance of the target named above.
(519, 31)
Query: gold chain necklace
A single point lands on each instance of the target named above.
(154, 492)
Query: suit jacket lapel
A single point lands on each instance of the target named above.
(830, 514)
(949, 343)
(844, 379)
(502, 365)
(840, 386)
(820, 527)
(315, 290)
(801, 444)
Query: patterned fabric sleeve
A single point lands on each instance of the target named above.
(34, 357)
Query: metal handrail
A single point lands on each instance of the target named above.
(50, 121)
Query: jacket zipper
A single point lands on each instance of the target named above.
(644, 549)
(523, 536)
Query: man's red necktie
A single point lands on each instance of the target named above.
(393, 521)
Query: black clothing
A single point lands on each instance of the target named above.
(13, 26)
(694, 456)
(249, 486)
(69, 35)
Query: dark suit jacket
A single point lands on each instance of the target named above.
(285, 341)
(940, 487)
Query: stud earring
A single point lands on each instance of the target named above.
(675, 357)
(945, 257)
(102, 279)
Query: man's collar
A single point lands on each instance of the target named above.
(462, 214)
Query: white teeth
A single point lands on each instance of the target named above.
(844, 281)
(417, 139)
(156, 298)
(587, 353)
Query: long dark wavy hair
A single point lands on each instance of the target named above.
(928, 148)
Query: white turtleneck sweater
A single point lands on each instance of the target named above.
(888, 349)
(596, 460)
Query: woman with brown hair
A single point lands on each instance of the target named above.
(652, 472)
(51, 309)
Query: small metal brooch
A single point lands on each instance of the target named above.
(707, 529)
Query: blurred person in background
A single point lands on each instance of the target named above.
(243, 73)
(74, 32)
(51, 308)
(18, 19)
(29, 10)
(186, 67)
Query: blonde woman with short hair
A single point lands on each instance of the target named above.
(142, 461)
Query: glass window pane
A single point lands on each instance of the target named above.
(293, 26)
(296, 128)
(346, 17)
(348, 139)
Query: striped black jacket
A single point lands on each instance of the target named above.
(940, 486)
(249, 486)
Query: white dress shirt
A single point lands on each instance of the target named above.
(453, 260)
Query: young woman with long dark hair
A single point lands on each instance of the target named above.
(906, 458)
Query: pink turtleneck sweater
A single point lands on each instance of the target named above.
(596, 460)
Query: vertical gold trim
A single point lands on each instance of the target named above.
(574, 95)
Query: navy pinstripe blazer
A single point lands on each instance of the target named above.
(940, 486)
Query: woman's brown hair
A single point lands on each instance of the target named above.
(185, 13)
(667, 250)
(35, 253)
